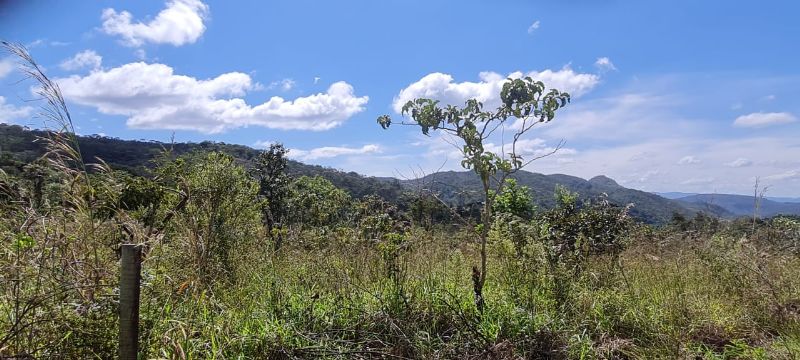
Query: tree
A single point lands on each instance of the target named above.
(315, 201)
(523, 100)
(273, 183)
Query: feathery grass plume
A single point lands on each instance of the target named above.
(61, 265)
(63, 150)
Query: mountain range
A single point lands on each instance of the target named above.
(18, 148)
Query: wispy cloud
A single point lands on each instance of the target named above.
(696, 181)
(6, 67)
(534, 27)
(604, 64)
(331, 152)
(788, 175)
(740, 162)
(761, 119)
(285, 84)
(688, 160)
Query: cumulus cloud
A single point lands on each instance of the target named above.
(604, 64)
(9, 112)
(332, 151)
(152, 96)
(84, 59)
(740, 162)
(761, 119)
(181, 22)
(442, 87)
(688, 160)
(534, 27)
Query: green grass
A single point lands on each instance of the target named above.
(339, 302)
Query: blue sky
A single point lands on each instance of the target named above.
(695, 96)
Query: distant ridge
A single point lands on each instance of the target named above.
(742, 205)
(677, 195)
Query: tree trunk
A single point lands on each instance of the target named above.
(479, 276)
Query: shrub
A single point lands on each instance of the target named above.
(220, 221)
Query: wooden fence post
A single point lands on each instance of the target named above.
(129, 279)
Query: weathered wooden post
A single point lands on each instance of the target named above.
(129, 279)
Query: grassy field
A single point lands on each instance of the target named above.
(669, 294)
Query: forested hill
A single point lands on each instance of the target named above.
(18, 147)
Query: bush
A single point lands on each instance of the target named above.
(220, 222)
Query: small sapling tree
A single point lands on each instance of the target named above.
(524, 101)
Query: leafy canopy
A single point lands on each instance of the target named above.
(523, 99)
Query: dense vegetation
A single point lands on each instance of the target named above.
(250, 260)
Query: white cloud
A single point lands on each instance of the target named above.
(788, 175)
(647, 175)
(740, 162)
(761, 119)
(698, 181)
(140, 54)
(84, 59)
(332, 151)
(285, 84)
(621, 118)
(534, 27)
(9, 112)
(687, 160)
(528, 149)
(35, 43)
(263, 144)
(153, 97)
(6, 67)
(441, 87)
(604, 64)
(181, 22)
